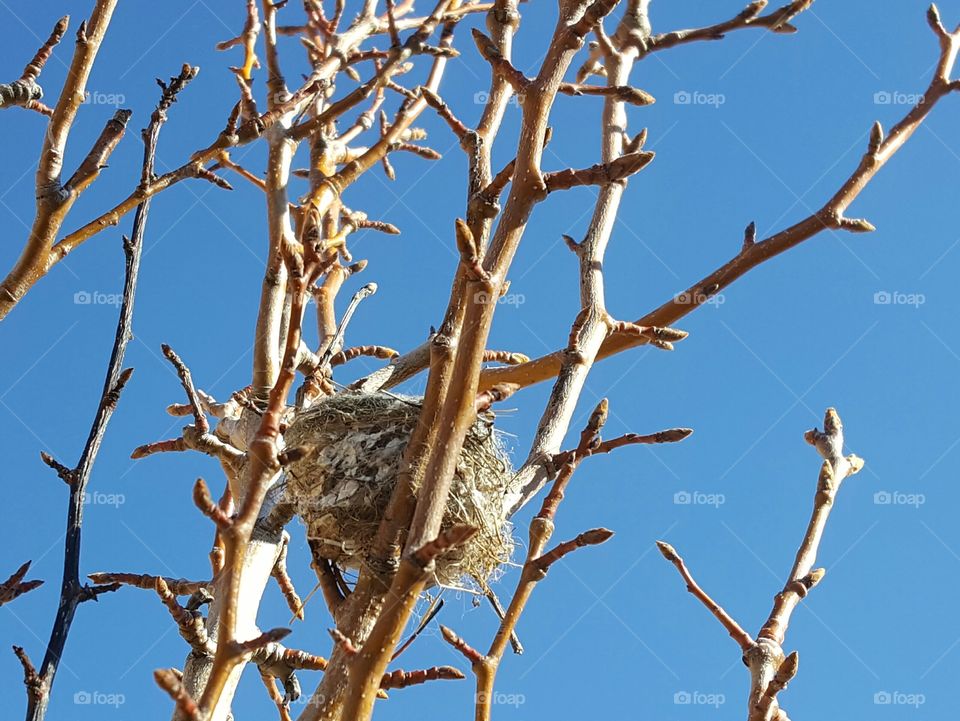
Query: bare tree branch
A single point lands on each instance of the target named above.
(770, 668)
(72, 593)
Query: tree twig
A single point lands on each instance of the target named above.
(15, 586)
(770, 668)
(72, 593)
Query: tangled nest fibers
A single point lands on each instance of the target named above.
(341, 489)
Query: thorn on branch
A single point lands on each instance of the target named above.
(752, 10)
(444, 111)
(592, 66)
(590, 435)
(25, 91)
(198, 599)
(603, 42)
(248, 104)
(402, 679)
(829, 444)
(469, 252)
(487, 198)
(671, 435)
(802, 586)
(372, 351)
(573, 245)
(936, 24)
(172, 88)
(203, 174)
(285, 583)
(67, 475)
(266, 638)
(662, 338)
(209, 405)
(451, 538)
(343, 642)
(736, 632)
(33, 69)
(112, 396)
(496, 394)
(396, 87)
(96, 159)
(593, 537)
(276, 661)
(31, 679)
(248, 38)
(392, 25)
(168, 446)
(468, 651)
(876, 138)
(93, 593)
(273, 656)
(779, 20)
(501, 66)
(186, 381)
(856, 225)
(208, 507)
(190, 622)
(636, 145)
(784, 674)
(15, 585)
(385, 160)
(749, 237)
(421, 151)
(592, 16)
(623, 93)
(600, 174)
(504, 356)
(229, 132)
(179, 586)
(359, 221)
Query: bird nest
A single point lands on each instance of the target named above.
(341, 488)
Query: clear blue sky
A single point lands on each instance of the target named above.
(612, 630)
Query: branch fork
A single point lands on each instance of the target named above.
(25, 91)
(770, 668)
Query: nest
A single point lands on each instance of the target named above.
(342, 487)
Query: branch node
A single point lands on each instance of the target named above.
(749, 237)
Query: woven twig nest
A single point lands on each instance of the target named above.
(342, 487)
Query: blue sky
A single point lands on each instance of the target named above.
(783, 120)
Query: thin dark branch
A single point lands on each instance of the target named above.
(72, 592)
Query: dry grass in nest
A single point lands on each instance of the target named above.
(342, 488)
